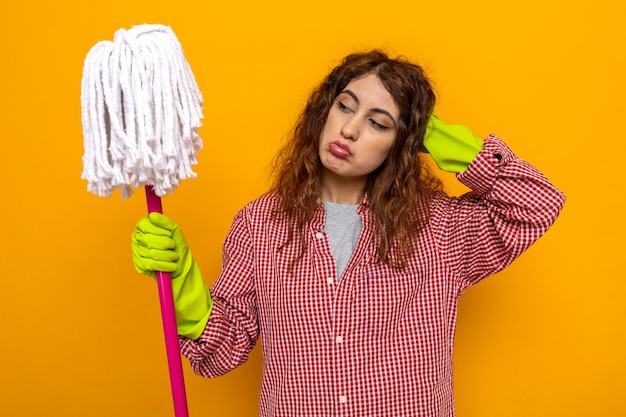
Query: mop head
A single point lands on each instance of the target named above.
(141, 111)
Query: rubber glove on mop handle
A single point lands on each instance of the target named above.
(141, 111)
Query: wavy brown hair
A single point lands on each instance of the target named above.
(398, 191)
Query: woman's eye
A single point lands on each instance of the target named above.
(343, 107)
(378, 125)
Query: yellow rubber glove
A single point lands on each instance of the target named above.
(159, 245)
(452, 147)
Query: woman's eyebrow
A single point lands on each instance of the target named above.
(375, 110)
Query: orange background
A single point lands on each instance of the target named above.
(80, 331)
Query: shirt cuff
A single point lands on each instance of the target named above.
(482, 172)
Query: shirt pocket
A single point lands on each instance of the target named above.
(391, 297)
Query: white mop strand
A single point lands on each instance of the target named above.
(141, 111)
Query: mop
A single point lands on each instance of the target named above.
(141, 111)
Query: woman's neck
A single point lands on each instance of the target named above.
(343, 190)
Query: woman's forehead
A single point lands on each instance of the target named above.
(370, 91)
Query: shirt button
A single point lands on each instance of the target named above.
(330, 280)
(339, 339)
(319, 235)
(343, 399)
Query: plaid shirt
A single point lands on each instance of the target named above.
(378, 342)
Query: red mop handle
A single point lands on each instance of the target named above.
(168, 316)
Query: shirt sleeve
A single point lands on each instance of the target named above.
(511, 204)
(232, 330)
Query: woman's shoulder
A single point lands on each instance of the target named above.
(262, 207)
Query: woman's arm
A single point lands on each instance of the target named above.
(232, 329)
(510, 206)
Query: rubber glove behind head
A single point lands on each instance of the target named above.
(452, 147)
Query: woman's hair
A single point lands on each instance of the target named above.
(398, 191)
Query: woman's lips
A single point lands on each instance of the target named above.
(339, 149)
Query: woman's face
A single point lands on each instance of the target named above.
(360, 129)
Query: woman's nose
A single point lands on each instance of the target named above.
(350, 130)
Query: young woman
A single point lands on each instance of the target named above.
(351, 267)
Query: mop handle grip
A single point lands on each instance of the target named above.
(168, 316)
